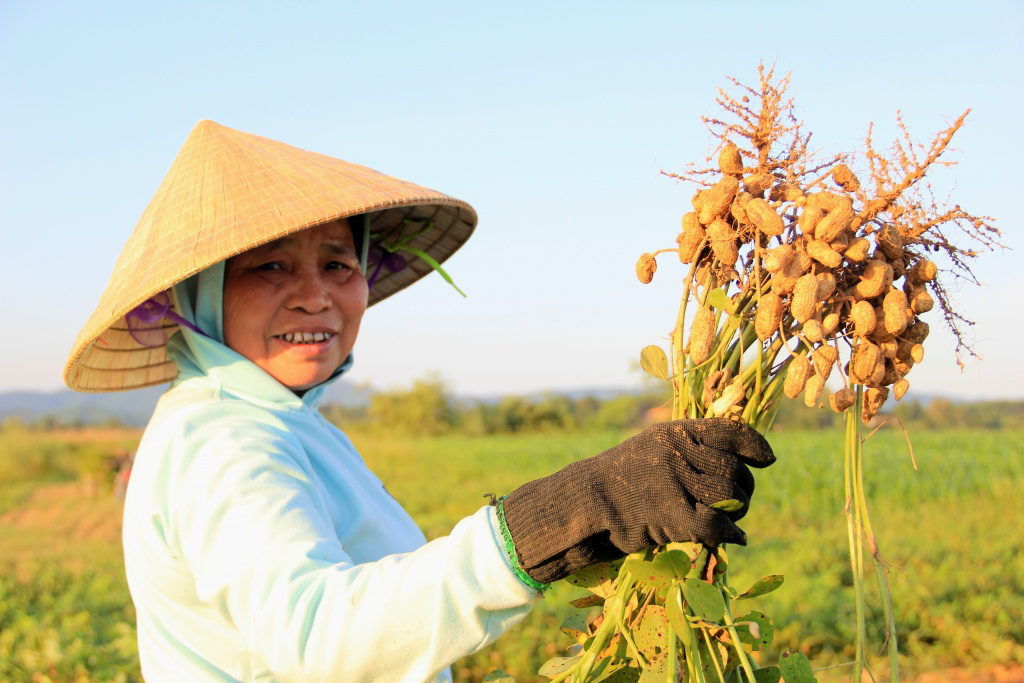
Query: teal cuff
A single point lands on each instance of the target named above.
(513, 556)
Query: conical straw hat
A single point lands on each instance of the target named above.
(230, 191)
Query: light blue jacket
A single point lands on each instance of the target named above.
(259, 546)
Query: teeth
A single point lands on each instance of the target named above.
(306, 337)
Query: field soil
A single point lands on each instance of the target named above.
(69, 511)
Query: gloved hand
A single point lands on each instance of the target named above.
(652, 489)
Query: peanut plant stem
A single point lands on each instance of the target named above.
(854, 527)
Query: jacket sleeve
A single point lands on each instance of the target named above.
(250, 524)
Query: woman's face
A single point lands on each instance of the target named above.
(293, 306)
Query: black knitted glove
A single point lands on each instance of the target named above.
(652, 489)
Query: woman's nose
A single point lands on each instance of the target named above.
(309, 293)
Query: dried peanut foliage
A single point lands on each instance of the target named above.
(800, 268)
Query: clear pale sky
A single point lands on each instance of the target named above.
(552, 118)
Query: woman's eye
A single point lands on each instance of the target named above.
(338, 265)
(269, 265)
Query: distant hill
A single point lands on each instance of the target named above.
(131, 408)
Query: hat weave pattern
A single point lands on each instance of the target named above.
(227, 192)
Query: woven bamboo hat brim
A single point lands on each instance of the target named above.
(227, 192)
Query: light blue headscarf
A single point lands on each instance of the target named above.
(200, 300)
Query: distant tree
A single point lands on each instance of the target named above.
(426, 408)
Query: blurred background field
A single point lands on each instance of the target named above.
(951, 531)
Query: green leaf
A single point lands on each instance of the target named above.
(620, 674)
(575, 626)
(721, 560)
(763, 586)
(796, 668)
(498, 676)
(587, 601)
(765, 630)
(430, 261)
(598, 578)
(610, 669)
(717, 298)
(650, 573)
(769, 674)
(652, 633)
(656, 670)
(557, 665)
(705, 601)
(707, 658)
(699, 564)
(675, 614)
(675, 561)
(654, 362)
(730, 505)
(688, 548)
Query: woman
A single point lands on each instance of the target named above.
(258, 546)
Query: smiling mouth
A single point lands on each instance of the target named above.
(305, 337)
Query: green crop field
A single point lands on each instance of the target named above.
(950, 531)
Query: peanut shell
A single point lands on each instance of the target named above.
(784, 281)
(890, 241)
(863, 316)
(917, 353)
(702, 335)
(812, 390)
(898, 268)
(866, 356)
(730, 161)
(842, 399)
(738, 212)
(827, 201)
(690, 239)
(841, 242)
(805, 298)
(876, 278)
(874, 398)
(778, 258)
(813, 331)
(826, 285)
(801, 255)
(899, 389)
(923, 270)
(796, 376)
(809, 218)
(916, 333)
(759, 182)
(716, 200)
(764, 217)
(821, 252)
(903, 365)
(890, 376)
(785, 192)
(731, 395)
(921, 301)
(844, 178)
(895, 307)
(768, 316)
(878, 374)
(880, 333)
(835, 222)
(830, 324)
(722, 238)
(858, 250)
(645, 268)
(825, 357)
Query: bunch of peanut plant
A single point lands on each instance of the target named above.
(798, 273)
